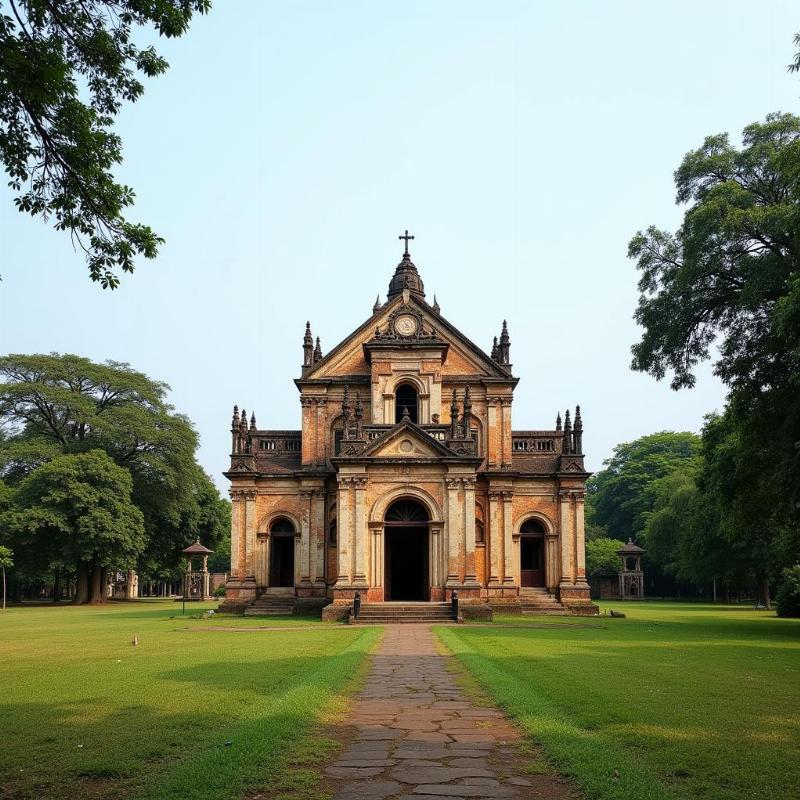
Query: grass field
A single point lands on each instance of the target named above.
(676, 701)
(186, 714)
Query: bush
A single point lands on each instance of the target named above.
(220, 591)
(787, 601)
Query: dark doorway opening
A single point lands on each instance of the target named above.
(531, 553)
(281, 559)
(405, 399)
(532, 561)
(406, 573)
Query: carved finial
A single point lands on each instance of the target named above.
(308, 347)
(558, 421)
(253, 421)
(454, 416)
(504, 349)
(378, 305)
(577, 433)
(467, 413)
(235, 421)
(317, 351)
(436, 309)
(568, 444)
(495, 350)
(406, 415)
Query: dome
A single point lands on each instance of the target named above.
(406, 277)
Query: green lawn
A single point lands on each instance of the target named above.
(675, 701)
(187, 714)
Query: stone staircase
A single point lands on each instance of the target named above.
(271, 605)
(391, 613)
(534, 600)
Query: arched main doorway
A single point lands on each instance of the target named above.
(406, 567)
(531, 553)
(281, 553)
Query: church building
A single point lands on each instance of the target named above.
(407, 480)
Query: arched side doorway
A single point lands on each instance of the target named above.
(406, 559)
(281, 553)
(532, 553)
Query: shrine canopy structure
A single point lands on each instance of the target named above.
(195, 584)
(631, 577)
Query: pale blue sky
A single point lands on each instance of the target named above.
(522, 143)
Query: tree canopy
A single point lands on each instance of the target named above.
(602, 555)
(79, 509)
(728, 282)
(622, 494)
(66, 68)
(58, 405)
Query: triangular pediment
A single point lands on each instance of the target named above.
(406, 440)
(348, 357)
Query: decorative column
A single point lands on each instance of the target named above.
(566, 537)
(360, 539)
(375, 591)
(303, 565)
(494, 432)
(495, 538)
(435, 560)
(250, 535)
(237, 533)
(508, 532)
(470, 572)
(580, 539)
(453, 538)
(344, 543)
(317, 568)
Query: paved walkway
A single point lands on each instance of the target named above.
(417, 736)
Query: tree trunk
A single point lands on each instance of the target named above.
(81, 584)
(763, 590)
(56, 585)
(97, 593)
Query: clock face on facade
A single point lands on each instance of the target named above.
(406, 325)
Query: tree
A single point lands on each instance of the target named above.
(622, 494)
(6, 562)
(64, 404)
(80, 508)
(601, 554)
(65, 70)
(730, 275)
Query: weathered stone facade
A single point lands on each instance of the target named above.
(407, 444)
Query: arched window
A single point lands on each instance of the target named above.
(281, 525)
(532, 526)
(479, 534)
(405, 397)
(406, 512)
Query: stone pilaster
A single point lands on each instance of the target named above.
(317, 568)
(565, 537)
(494, 530)
(508, 544)
(303, 567)
(470, 573)
(360, 536)
(454, 562)
(344, 542)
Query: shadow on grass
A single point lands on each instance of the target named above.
(136, 752)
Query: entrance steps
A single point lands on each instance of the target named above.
(536, 600)
(271, 605)
(391, 613)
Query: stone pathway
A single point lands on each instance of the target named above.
(417, 736)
